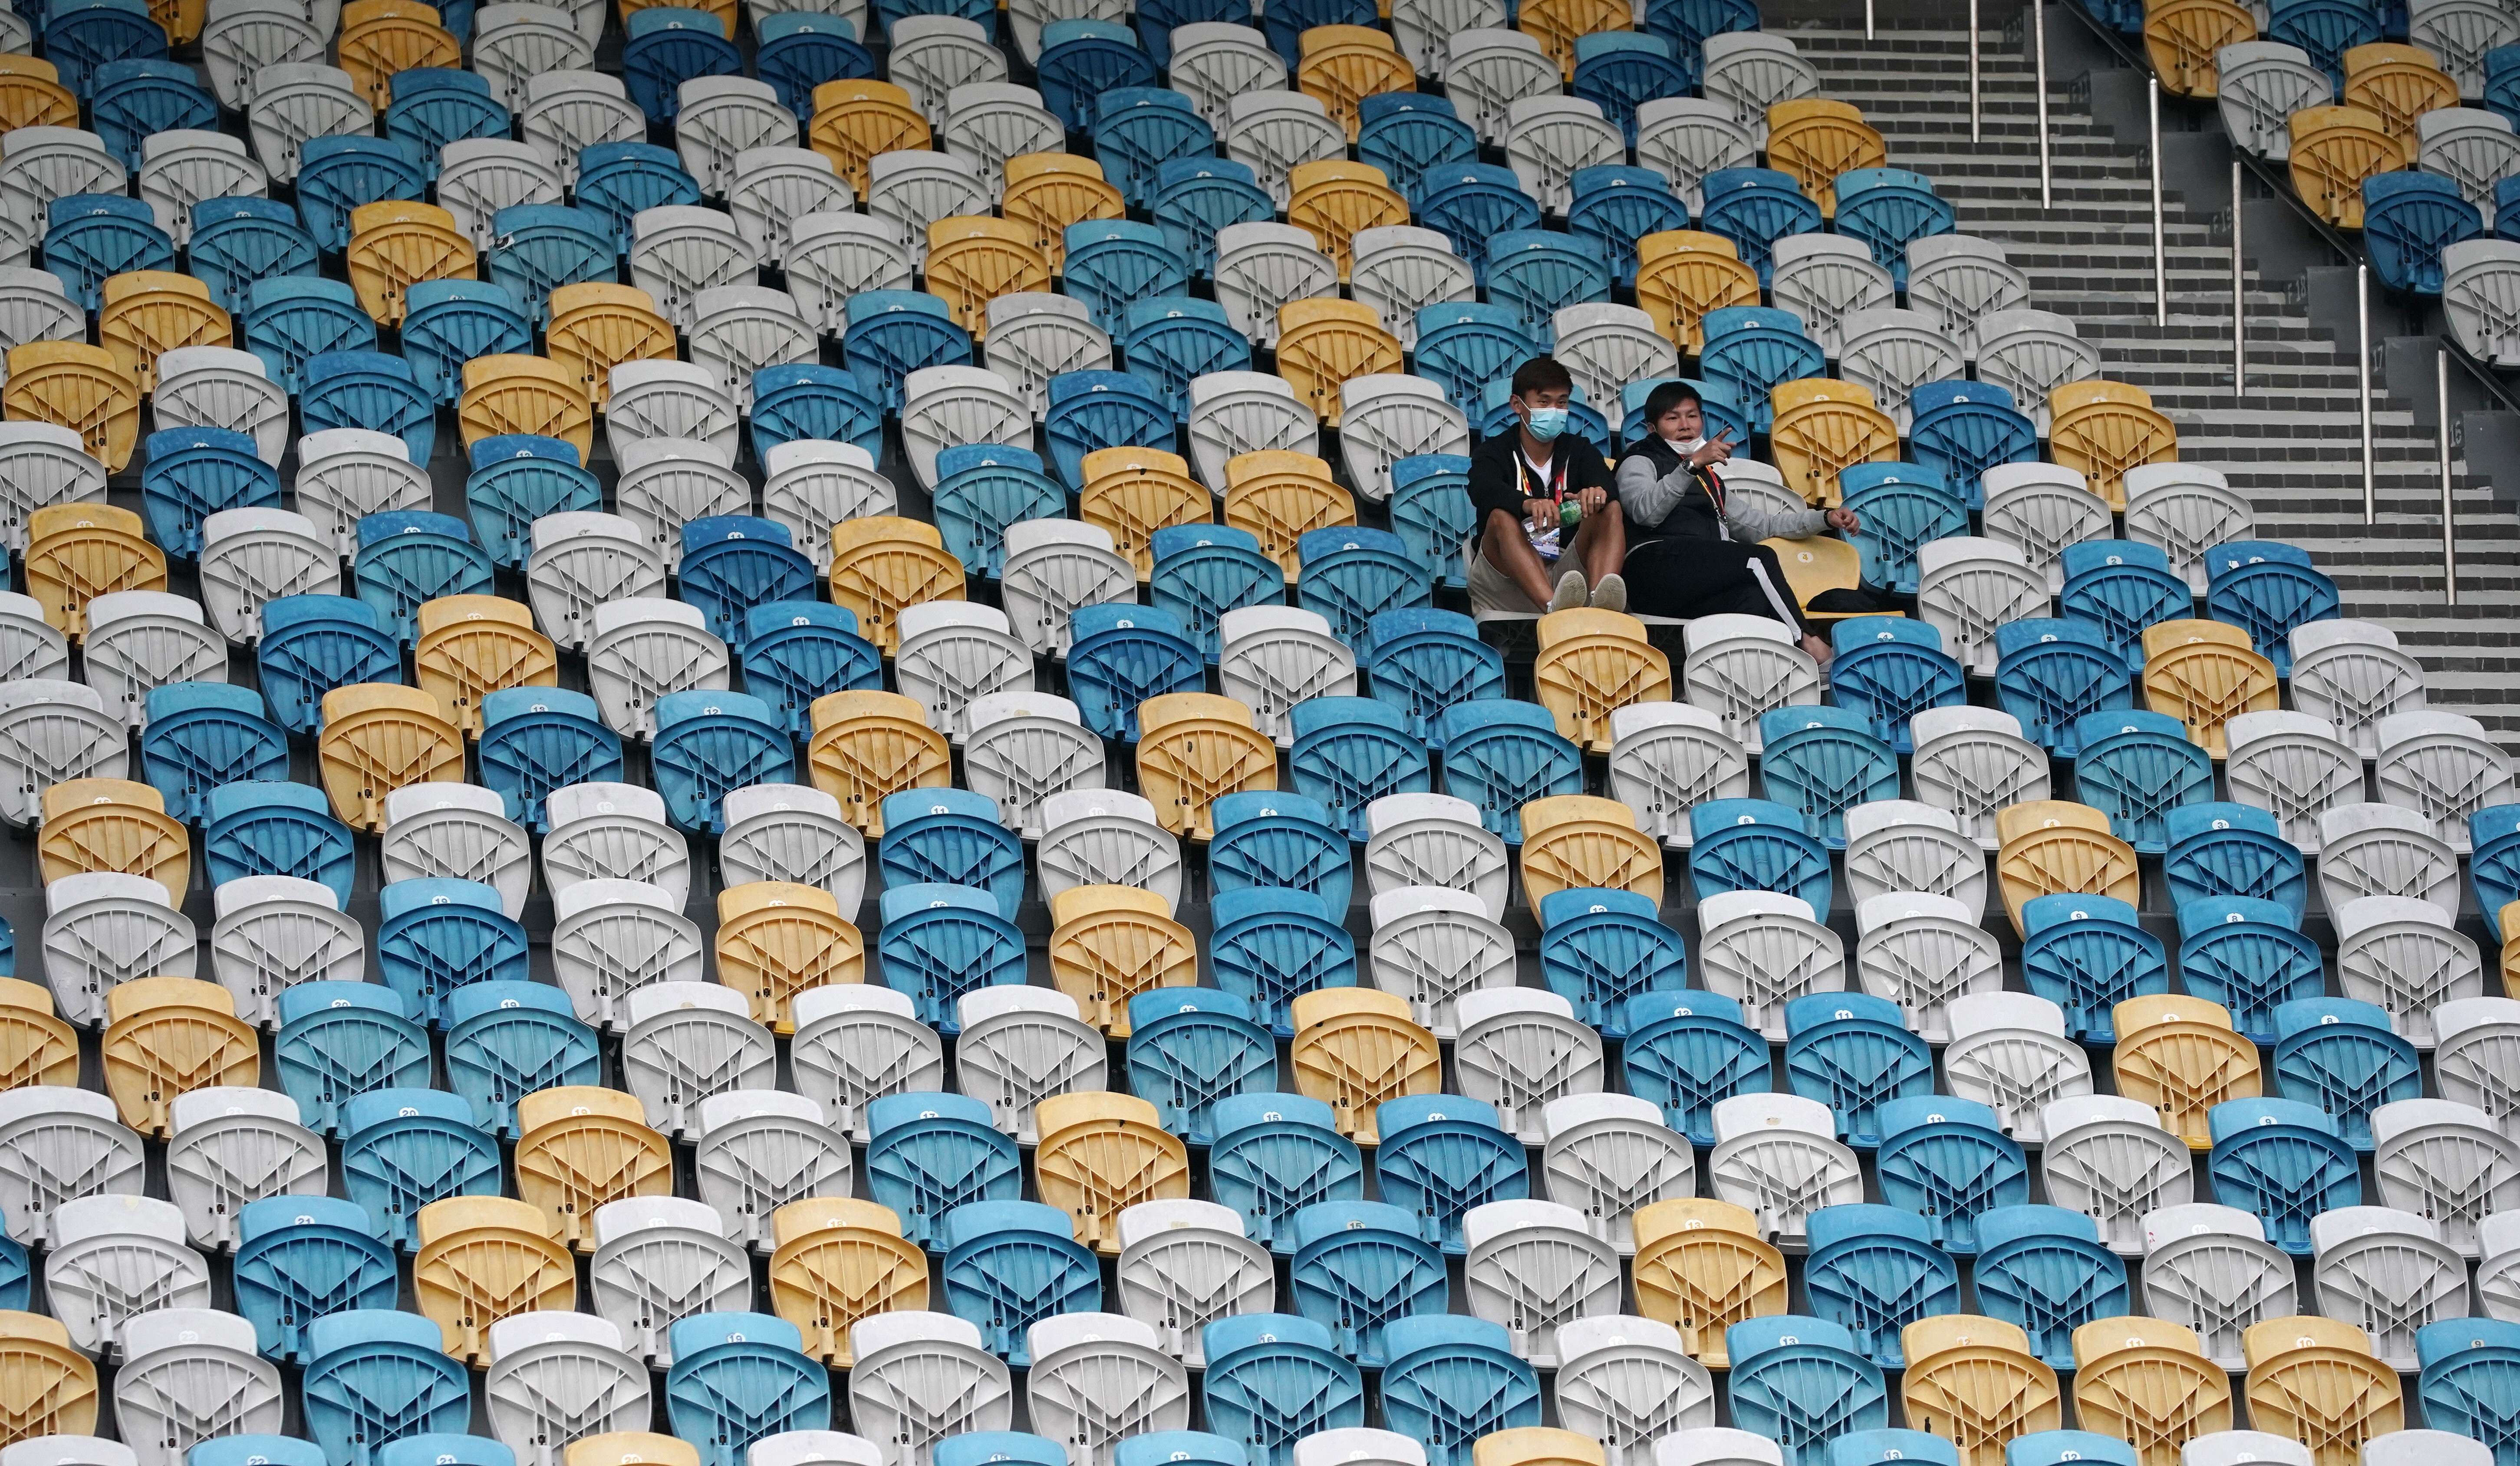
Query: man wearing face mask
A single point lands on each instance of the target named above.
(1530, 550)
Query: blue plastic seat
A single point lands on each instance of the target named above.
(1271, 944)
(1960, 430)
(2043, 1270)
(2492, 835)
(2233, 850)
(2051, 674)
(1949, 1161)
(1361, 1265)
(1195, 197)
(668, 46)
(82, 35)
(709, 742)
(340, 1040)
(1451, 1381)
(739, 1377)
(1472, 204)
(1275, 1154)
(435, 106)
(2087, 954)
(1889, 210)
(2502, 95)
(1873, 1270)
(277, 828)
(239, 243)
(312, 645)
(408, 556)
(1622, 71)
(951, 837)
(1407, 133)
(1686, 24)
(368, 390)
(518, 478)
(1121, 654)
(1687, 1050)
(138, 98)
(1082, 60)
(2283, 1161)
(996, 1448)
(507, 1040)
(1351, 751)
(732, 563)
(1501, 755)
(2344, 1057)
(537, 739)
(622, 180)
(2249, 955)
(1201, 571)
(1800, 1381)
(795, 651)
(1889, 669)
(1179, 1448)
(91, 236)
(1113, 264)
(337, 174)
(402, 1149)
(934, 1152)
(294, 319)
(892, 334)
(190, 473)
(202, 734)
(2270, 589)
(802, 400)
(535, 248)
(376, 1375)
(1280, 840)
(1274, 1379)
(2466, 1381)
(439, 935)
(1853, 1053)
(301, 1258)
(1008, 1265)
(797, 51)
(1156, 21)
(2407, 220)
(1751, 349)
(447, 323)
(2064, 1447)
(1536, 274)
(435, 1449)
(1172, 339)
(1431, 512)
(1440, 1155)
(1754, 208)
(1614, 206)
(2136, 767)
(1463, 345)
(1191, 1049)
(1756, 845)
(1821, 762)
(1424, 661)
(940, 941)
(2326, 30)
(1902, 507)
(1094, 410)
(2122, 587)
(1602, 948)
(1139, 129)
(1882, 1448)
(1352, 575)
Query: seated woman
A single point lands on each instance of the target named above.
(1695, 551)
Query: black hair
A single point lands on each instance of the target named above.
(1667, 395)
(1542, 374)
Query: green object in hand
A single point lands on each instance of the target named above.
(1569, 514)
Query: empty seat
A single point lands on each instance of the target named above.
(375, 1370)
(1798, 1381)
(233, 1147)
(1951, 1160)
(2319, 1382)
(580, 1147)
(553, 1372)
(1778, 1155)
(1763, 949)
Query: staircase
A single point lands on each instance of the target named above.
(2293, 444)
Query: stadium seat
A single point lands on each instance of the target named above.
(1688, 1053)
(1873, 1270)
(1275, 1154)
(1799, 1382)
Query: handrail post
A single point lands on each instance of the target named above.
(1974, 122)
(2160, 244)
(1868, 19)
(2039, 44)
(2239, 297)
(2450, 544)
(2363, 387)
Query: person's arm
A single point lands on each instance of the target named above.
(1493, 486)
(1647, 499)
(1754, 522)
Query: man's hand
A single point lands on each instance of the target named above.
(1594, 501)
(1715, 450)
(1844, 518)
(1541, 514)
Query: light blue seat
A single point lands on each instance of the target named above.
(239, 243)
(1686, 24)
(1493, 417)
(1501, 755)
(1351, 751)
(1407, 133)
(1960, 430)
(1614, 205)
(505, 1039)
(290, 320)
(141, 96)
(2233, 850)
(1904, 507)
(620, 181)
(1003, 1448)
(1754, 208)
(1139, 129)
(1008, 1265)
(410, 557)
(1439, 1155)
(447, 323)
(1082, 60)
(1470, 203)
(1179, 1448)
(1451, 1381)
(1799, 1381)
(668, 46)
(254, 1450)
(1096, 410)
(2466, 1381)
(1602, 948)
(2121, 587)
(1873, 1270)
(708, 742)
(1120, 655)
(2494, 868)
(2063, 1448)
(739, 1377)
(934, 1152)
(1113, 264)
(337, 174)
(368, 390)
(892, 334)
(1880, 1448)
(1275, 1154)
(277, 828)
(1270, 945)
(1821, 762)
(2502, 95)
(1274, 1379)
(2270, 589)
(1195, 197)
(402, 1149)
(1853, 1053)
(1949, 1161)
(535, 248)
(1756, 845)
(795, 651)
(435, 106)
(1360, 1266)
(951, 837)
(2284, 1161)
(1424, 661)
(1889, 669)
(300, 1257)
(1463, 345)
(2344, 1057)
(1620, 70)
(2408, 218)
(92, 236)
(1351, 575)
(1431, 512)
(518, 478)
(940, 941)
(981, 488)
(1889, 210)
(801, 400)
(2136, 767)
(735, 562)
(1201, 571)
(340, 1040)
(1281, 839)
(1687, 1048)
(2042, 1269)
(1751, 349)
(82, 35)
(537, 739)
(439, 935)
(1171, 340)
(2087, 954)
(376, 1376)
(798, 51)
(1191, 1049)
(2052, 673)
(445, 1450)
(202, 734)
(191, 473)
(1156, 21)
(2249, 955)
(1536, 274)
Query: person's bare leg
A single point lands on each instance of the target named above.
(1601, 543)
(1507, 547)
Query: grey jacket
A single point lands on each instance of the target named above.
(1647, 501)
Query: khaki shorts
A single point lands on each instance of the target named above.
(1491, 590)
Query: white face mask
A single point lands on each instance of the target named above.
(1687, 446)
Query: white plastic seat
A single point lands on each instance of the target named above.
(67, 1450)
(611, 937)
(953, 407)
(1717, 1445)
(613, 831)
(1026, 17)
(1535, 1267)
(739, 330)
(689, 1040)
(2446, 1163)
(1432, 943)
(273, 932)
(232, 1147)
(2481, 296)
(57, 1144)
(1488, 69)
(1967, 587)
(1434, 840)
(460, 833)
(138, 640)
(253, 556)
(2476, 1043)
(1098, 1377)
(343, 473)
(1925, 953)
(1054, 566)
(555, 1374)
(43, 463)
(218, 387)
(293, 103)
(1961, 280)
(2259, 85)
(2460, 32)
(720, 116)
(1666, 758)
(931, 55)
(1974, 762)
(792, 833)
(180, 168)
(1629, 1383)
(1906, 845)
(1355, 1446)
(2497, 1276)
(760, 1149)
(2243, 1449)
(2294, 767)
(2008, 1052)
(1215, 62)
(2030, 353)
(1606, 1156)
(52, 730)
(666, 483)
(2039, 508)
(1763, 949)
(103, 928)
(1754, 70)
(582, 560)
(773, 187)
(815, 1448)
(113, 1258)
(1184, 1265)
(2353, 674)
(1547, 139)
(2211, 1268)
(1424, 27)
(31, 649)
(916, 189)
(1234, 412)
(2384, 850)
(857, 1043)
(659, 1259)
(954, 653)
(190, 1374)
(1275, 656)
(239, 38)
(1107, 837)
(1779, 1157)
(680, 251)
(1686, 138)
(2443, 766)
(2388, 1270)
(514, 42)
(2186, 509)
(1271, 132)
(1891, 352)
(1019, 1046)
(920, 1377)
(1400, 269)
(1034, 337)
(2470, 146)
(476, 177)
(2108, 1158)
(1739, 667)
(1824, 277)
(832, 254)
(1020, 748)
(2401, 954)
(40, 164)
(1606, 346)
(1260, 267)
(815, 483)
(987, 122)
(566, 112)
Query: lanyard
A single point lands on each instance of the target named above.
(1554, 488)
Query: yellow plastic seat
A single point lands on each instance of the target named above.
(36, 1045)
(868, 745)
(2510, 946)
(1815, 567)
(883, 562)
(78, 551)
(1341, 65)
(482, 1259)
(1816, 139)
(1322, 343)
(1555, 23)
(1973, 1380)
(972, 260)
(580, 1147)
(1357, 1048)
(381, 37)
(1701, 1267)
(31, 94)
(2100, 430)
(1682, 273)
(395, 244)
(597, 325)
(1591, 663)
(2205, 674)
(854, 120)
(2147, 1381)
(2334, 149)
(182, 19)
(471, 647)
(1194, 748)
(1537, 1446)
(2397, 83)
(2184, 37)
(723, 10)
(117, 825)
(533, 394)
(2179, 1056)
(165, 1037)
(47, 1387)
(1100, 1154)
(1332, 199)
(631, 1448)
(1047, 192)
(148, 312)
(379, 738)
(1108, 944)
(775, 938)
(1132, 492)
(2052, 846)
(1572, 841)
(2316, 1380)
(1824, 426)
(1279, 496)
(80, 387)
(836, 1261)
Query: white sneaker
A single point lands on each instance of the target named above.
(1571, 591)
(1611, 594)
